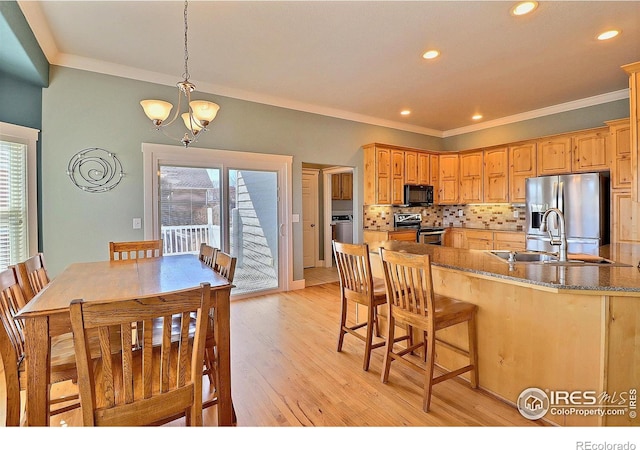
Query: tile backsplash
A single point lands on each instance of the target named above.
(489, 216)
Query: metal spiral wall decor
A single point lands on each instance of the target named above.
(95, 170)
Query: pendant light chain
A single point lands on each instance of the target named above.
(186, 51)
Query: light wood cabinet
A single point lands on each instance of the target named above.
(342, 186)
(471, 177)
(554, 155)
(377, 175)
(411, 167)
(370, 236)
(479, 240)
(522, 165)
(625, 220)
(633, 70)
(397, 177)
(485, 239)
(620, 144)
(496, 175)
(434, 175)
(454, 237)
(424, 171)
(448, 179)
(591, 151)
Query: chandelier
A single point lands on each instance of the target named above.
(199, 113)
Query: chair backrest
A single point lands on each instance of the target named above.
(225, 265)
(409, 284)
(354, 270)
(11, 301)
(32, 275)
(207, 254)
(149, 385)
(135, 250)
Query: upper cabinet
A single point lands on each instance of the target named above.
(620, 144)
(554, 155)
(496, 185)
(522, 165)
(388, 168)
(342, 186)
(449, 171)
(471, 177)
(434, 176)
(590, 151)
(633, 70)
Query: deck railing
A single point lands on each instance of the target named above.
(187, 238)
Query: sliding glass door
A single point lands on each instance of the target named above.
(230, 200)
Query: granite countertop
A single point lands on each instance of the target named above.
(595, 277)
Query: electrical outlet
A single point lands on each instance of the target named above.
(516, 214)
(460, 214)
(137, 223)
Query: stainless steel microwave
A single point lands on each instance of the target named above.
(418, 195)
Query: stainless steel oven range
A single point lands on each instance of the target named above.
(424, 235)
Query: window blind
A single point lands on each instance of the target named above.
(13, 203)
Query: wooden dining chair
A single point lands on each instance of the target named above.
(135, 250)
(411, 300)
(207, 254)
(225, 265)
(152, 385)
(12, 353)
(357, 285)
(32, 276)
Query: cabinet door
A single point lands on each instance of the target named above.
(411, 167)
(346, 186)
(620, 135)
(625, 218)
(454, 238)
(383, 157)
(471, 177)
(495, 175)
(403, 235)
(424, 176)
(522, 165)
(397, 178)
(590, 152)
(336, 193)
(554, 155)
(434, 175)
(509, 241)
(448, 179)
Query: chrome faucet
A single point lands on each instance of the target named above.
(561, 239)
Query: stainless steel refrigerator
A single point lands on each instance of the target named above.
(584, 202)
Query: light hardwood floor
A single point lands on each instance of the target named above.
(286, 372)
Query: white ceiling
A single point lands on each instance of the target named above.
(360, 60)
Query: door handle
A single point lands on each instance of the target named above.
(281, 230)
(313, 225)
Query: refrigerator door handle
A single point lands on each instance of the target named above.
(561, 197)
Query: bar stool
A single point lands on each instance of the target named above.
(412, 301)
(359, 286)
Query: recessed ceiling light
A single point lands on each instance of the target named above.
(608, 35)
(431, 54)
(523, 8)
(405, 112)
(476, 116)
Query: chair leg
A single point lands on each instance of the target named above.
(209, 362)
(388, 348)
(371, 314)
(343, 321)
(473, 352)
(430, 348)
(376, 320)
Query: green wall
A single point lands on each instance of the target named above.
(84, 109)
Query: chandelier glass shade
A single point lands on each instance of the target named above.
(199, 113)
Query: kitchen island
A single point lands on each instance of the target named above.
(572, 331)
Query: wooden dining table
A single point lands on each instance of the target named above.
(47, 315)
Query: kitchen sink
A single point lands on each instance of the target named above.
(533, 257)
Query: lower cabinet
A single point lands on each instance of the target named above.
(625, 218)
(369, 236)
(484, 239)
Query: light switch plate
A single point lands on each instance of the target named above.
(295, 218)
(137, 223)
